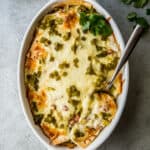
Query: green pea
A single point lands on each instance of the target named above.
(89, 58)
(67, 36)
(106, 116)
(64, 65)
(74, 102)
(64, 74)
(52, 58)
(55, 75)
(83, 38)
(62, 126)
(58, 46)
(90, 70)
(94, 41)
(73, 91)
(45, 41)
(58, 78)
(78, 133)
(76, 61)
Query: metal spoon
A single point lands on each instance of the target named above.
(134, 38)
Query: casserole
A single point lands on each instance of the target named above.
(26, 45)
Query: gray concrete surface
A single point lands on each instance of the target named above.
(133, 130)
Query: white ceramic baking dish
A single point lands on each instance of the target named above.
(21, 87)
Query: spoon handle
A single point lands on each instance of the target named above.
(134, 38)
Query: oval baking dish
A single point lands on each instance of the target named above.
(26, 44)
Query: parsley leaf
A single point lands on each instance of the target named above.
(132, 16)
(86, 26)
(138, 20)
(83, 18)
(140, 3)
(143, 22)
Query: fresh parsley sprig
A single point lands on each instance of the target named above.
(133, 17)
(95, 23)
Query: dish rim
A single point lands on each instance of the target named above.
(101, 138)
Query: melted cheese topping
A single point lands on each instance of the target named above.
(64, 67)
